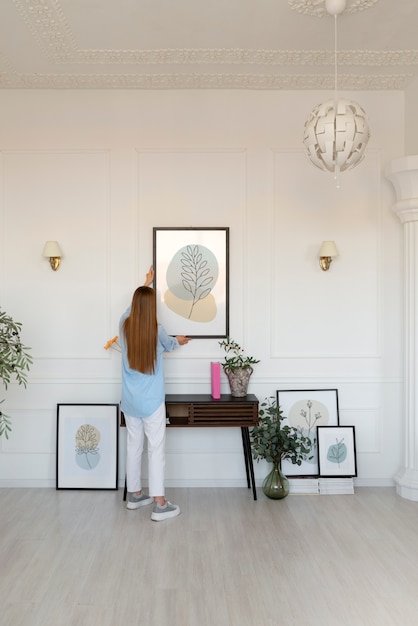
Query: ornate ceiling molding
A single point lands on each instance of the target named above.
(240, 56)
(237, 56)
(5, 65)
(202, 81)
(47, 24)
(49, 27)
(316, 8)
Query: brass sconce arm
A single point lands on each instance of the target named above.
(325, 262)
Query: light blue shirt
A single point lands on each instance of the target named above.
(142, 394)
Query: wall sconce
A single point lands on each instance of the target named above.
(53, 251)
(326, 253)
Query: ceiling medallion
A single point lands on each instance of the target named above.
(317, 7)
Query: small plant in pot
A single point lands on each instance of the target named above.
(14, 361)
(273, 442)
(237, 367)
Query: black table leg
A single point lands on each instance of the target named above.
(247, 468)
(248, 458)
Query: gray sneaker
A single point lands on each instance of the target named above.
(160, 513)
(135, 502)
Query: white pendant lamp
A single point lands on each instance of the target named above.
(336, 131)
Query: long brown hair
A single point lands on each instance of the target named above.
(141, 331)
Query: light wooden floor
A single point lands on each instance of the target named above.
(80, 558)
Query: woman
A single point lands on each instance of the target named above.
(143, 342)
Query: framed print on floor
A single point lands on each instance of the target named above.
(191, 279)
(87, 446)
(337, 451)
(306, 409)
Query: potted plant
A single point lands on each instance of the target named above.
(237, 367)
(15, 361)
(273, 442)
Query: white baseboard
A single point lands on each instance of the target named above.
(330, 486)
(298, 485)
(374, 482)
(26, 483)
(303, 486)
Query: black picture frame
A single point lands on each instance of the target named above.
(87, 452)
(296, 402)
(337, 451)
(191, 279)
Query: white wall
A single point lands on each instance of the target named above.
(97, 170)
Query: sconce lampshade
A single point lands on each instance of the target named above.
(328, 248)
(52, 249)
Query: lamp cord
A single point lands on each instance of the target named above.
(336, 166)
(335, 60)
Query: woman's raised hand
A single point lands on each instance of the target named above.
(149, 277)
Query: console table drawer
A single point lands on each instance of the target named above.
(225, 414)
(203, 410)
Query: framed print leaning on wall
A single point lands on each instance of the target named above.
(337, 451)
(191, 279)
(306, 409)
(87, 446)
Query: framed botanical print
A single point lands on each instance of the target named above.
(307, 409)
(191, 279)
(337, 451)
(87, 446)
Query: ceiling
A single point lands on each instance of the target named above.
(197, 44)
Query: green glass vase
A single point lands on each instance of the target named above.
(275, 484)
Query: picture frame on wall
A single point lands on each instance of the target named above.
(191, 279)
(307, 409)
(337, 451)
(87, 446)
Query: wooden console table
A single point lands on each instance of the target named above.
(201, 410)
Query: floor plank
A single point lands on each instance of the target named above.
(80, 558)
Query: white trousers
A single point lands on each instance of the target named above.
(153, 428)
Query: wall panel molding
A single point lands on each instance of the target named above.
(66, 197)
(303, 294)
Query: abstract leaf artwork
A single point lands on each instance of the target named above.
(191, 279)
(337, 451)
(191, 276)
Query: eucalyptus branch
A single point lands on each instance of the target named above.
(273, 441)
(15, 361)
(5, 424)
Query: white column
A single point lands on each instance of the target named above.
(403, 173)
